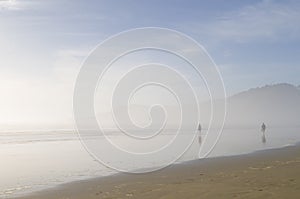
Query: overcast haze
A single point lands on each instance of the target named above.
(43, 43)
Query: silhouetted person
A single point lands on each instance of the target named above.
(199, 127)
(263, 130)
(199, 130)
(263, 127)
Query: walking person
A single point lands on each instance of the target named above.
(263, 127)
(263, 130)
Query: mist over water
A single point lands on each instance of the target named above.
(63, 159)
(37, 159)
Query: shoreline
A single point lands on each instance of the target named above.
(203, 174)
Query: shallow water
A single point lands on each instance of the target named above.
(35, 160)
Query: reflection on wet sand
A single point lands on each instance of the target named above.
(263, 138)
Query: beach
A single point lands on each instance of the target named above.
(273, 173)
(149, 99)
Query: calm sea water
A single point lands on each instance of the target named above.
(36, 160)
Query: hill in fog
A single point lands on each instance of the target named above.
(276, 105)
(273, 104)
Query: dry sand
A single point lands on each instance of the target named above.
(267, 174)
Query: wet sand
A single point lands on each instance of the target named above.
(267, 174)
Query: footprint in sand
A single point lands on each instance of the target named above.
(129, 194)
(98, 193)
(190, 180)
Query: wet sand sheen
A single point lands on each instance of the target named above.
(267, 174)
